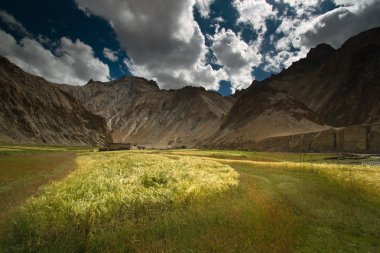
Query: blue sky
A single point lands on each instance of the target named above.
(219, 44)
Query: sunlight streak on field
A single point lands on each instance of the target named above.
(364, 177)
(109, 185)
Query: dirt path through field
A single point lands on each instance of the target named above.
(22, 175)
(335, 218)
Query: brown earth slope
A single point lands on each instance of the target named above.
(342, 86)
(328, 88)
(138, 112)
(36, 111)
(263, 113)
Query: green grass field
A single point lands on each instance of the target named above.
(75, 200)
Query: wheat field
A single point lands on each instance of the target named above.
(189, 201)
(109, 185)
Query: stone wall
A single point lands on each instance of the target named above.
(357, 139)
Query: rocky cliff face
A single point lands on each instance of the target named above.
(342, 86)
(328, 88)
(138, 112)
(36, 111)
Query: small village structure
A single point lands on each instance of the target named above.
(121, 146)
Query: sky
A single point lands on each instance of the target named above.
(222, 45)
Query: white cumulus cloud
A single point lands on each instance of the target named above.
(162, 39)
(236, 56)
(204, 7)
(73, 62)
(110, 54)
(254, 12)
(165, 43)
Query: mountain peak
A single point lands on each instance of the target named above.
(321, 50)
(90, 81)
(139, 80)
(316, 57)
(193, 88)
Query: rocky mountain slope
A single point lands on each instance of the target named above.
(327, 88)
(342, 86)
(263, 113)
(138, 112)
(36, 111)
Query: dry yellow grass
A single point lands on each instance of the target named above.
(102, 181)
(109, 185)
(364, 177)
(162, 201)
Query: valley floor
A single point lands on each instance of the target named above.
(185, 201)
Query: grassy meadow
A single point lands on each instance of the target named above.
(75, 200)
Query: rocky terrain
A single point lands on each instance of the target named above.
(36, 111)
(329, 88)
(262, 114)
(342, 86)
(138, 112)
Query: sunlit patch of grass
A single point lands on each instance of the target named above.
(243, 219)
(108, 186)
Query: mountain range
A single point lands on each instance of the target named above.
(330, 88)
